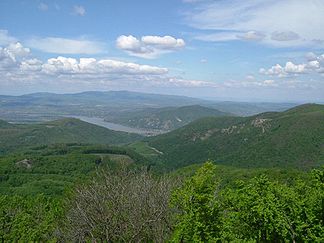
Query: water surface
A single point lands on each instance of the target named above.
(116, 127)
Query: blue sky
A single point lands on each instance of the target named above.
(251, 50)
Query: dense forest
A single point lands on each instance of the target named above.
(76, 189)
(130, 205)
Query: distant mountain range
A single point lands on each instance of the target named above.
(112, 105)
(294, 138)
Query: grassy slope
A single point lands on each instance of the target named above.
(67, 130)
(294, 138)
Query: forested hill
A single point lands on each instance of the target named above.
(168, 118)
(4, 124)
(294, 138)
(68, 130)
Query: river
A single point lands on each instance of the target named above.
(116, 127)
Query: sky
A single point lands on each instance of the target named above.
(252, 50)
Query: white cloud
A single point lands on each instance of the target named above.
(86, 71)
(18, 68)
(276, 70)
(293, 68)
(250, 77)
(10, 55)
(252, 36)
(78, 10)
(64, 65)
(5, 38)
(203, 60)
(149, 46)
(18, 50)
(269, 82)
(167, 42)
(31, 65)
(310, 56)
(289, 68)
(290, 22)
(128, 43)
(42, 6)
(180, 82)
(65, 46)
(314, 64)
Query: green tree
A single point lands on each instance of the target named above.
(198, 211)
(27, 219)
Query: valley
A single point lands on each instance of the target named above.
(189, 121)
(69, 164)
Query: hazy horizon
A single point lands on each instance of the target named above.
(270, 51)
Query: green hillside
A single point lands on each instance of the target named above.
(294, 138)
(4, 124)
(52, 169)
(166, 119)
(68, 130)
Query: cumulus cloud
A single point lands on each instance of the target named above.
(10, 55)
(88, 72)
(293, 68)
(280, 71)
(284, 23)
(65, 46)
(78, 10)
(5, 38)
(314, 64)
(17, 65)
(64, 65)
(149, 46)
(31, 65)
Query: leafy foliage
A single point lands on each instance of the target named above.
(27, 219)
(257, 210)
(199, 212)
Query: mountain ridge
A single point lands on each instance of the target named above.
(293, 139)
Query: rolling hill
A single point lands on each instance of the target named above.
(294, 138)
(166, 119)
(68, 130)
